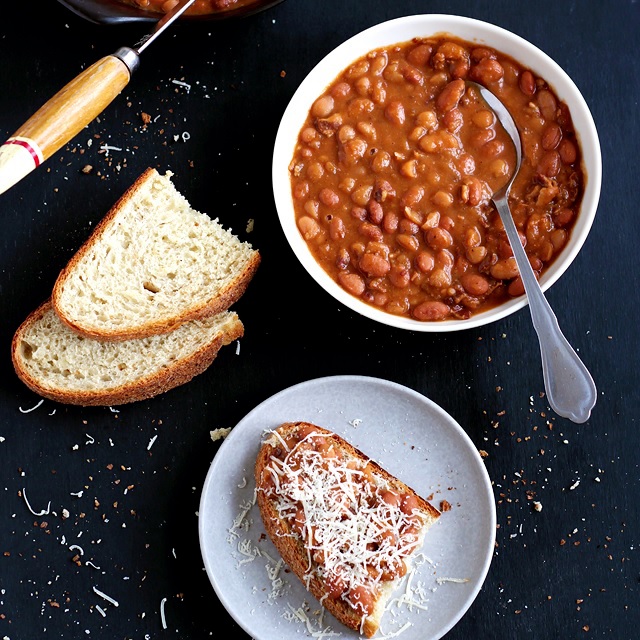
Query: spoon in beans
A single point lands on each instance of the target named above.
(569, 386)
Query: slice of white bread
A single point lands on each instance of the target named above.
(59, 364)
(151, 264)
(344, 525)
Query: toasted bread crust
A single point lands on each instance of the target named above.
(291, 546)
(197, 310)
(180, 372)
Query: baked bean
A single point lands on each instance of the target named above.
(375, 211)
(381, 162)
(438, 238)
(487, 71)
(483, 118)
(323, 106)
(407, 241)
(361, 599)
(516, 287)
(352, 282)
(329, 197)
(390, 222)
(395, 113)
(336, 228)
(450, 95)
(428, 120)
(527, 83)
(474, 284)
(551, 136)
(548, 104)
(563, 217)
(549, 164)
(409, 158)
(408, 226)
(425, 261)
(370, 231)
(301, 190)
(419, 55)
(308, 227)
(505, 269)
(374, 265)
(475, 255)
(431, 310)
(568, 152)
(453, 120)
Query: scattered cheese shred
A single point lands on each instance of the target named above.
(162, 616)
(44, 512)
(106, 597)
(32, 408)
(457, 580)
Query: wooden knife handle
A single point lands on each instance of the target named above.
(75, 105)
(65, 115)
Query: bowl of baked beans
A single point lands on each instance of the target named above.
(385, 162)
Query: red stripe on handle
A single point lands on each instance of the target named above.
(35, 153)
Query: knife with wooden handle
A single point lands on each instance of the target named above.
(74, 106)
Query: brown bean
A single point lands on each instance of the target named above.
(438, 238)
(486, 71)
(551, 136)
(563, 217)
(352, 282)
(450, 95)
(336, 228)
(374, 265)
(453, 120)
(568, 152)
(390, 222)
(371, 231)
(399, 277)
(432, 310)
(341, 90)
(516, 287)
(308, 227)
(375, 210)
(527, 83)
(419, 56)
(329, 197)
(408, 242)
(301, 190)
(548, 104)
(505, 269)
(394, 113)
(425, 261)
(323, 106)
(474, 284)
(549, 164)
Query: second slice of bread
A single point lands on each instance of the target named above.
(61, 365)
(150, 265)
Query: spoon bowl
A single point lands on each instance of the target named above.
(569, 386)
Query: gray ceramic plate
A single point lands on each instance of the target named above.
(411, 437)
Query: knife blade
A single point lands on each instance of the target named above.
(76, 105)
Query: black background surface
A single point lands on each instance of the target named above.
(569, 571)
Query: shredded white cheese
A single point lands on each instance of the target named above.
(162, 616)
(106, 597)
(44, 512)
(32, 408)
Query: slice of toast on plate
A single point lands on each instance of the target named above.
(344, 525)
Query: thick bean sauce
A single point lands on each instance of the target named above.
(395, 166)
(199, 7)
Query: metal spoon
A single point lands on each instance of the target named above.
(569, 386)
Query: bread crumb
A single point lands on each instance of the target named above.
(445, 505)
(537, 506)
(219, 434)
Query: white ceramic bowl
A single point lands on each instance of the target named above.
(402, 30)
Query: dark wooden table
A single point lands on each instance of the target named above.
(568, 571)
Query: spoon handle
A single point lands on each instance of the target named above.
(570, 388)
